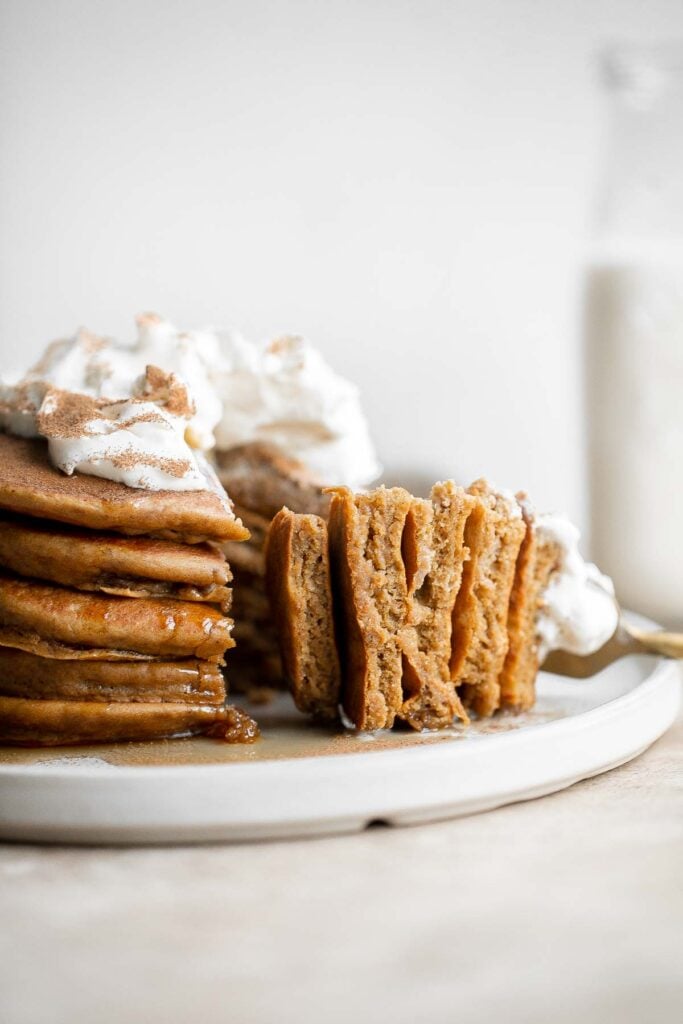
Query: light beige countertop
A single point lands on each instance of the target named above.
(568, 908)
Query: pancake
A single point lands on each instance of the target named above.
(34, 678)
(370, 593)
(434, 554)
(260, 477)
(32, 643)
(248, 556)
(31, 486)
(300, 591)
(256, 523)
(170, 629)
(113, 564)
(50, 723)
(537, 561)
(397, 563)
(494, 534)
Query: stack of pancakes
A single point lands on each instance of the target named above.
(412, 610)
(260, 479)
(113, 605)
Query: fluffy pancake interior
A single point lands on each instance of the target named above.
(298, 580)
(434, 554)
(366, 532)
(494, 534)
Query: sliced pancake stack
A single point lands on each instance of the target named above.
(260, 480)
(113, 605)
(410, 610)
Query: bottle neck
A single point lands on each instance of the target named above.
(641, 193)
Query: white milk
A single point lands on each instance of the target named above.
(634, 363)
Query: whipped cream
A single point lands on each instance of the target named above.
(110, 410)
(158, 400)
(105, 368)
(286, 394)
(136, 442)
(578, 612)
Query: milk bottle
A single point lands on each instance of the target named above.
(634, 337)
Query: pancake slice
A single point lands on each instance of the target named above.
(434, 554)
(158, 629)
(493, 534)
(371, 593)
(536, 563)
(35, 678)
(298, 582)
(50, 723)
(30, 485)
(113, 564)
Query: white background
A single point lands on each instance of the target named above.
(407, 183)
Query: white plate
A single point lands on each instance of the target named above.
(300, 780)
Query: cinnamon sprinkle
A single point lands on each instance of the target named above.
(167, 389)
(130, 459)
(20, 400)
(66, 414)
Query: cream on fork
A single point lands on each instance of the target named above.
(627, 639)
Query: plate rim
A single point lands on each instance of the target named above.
(139, 805)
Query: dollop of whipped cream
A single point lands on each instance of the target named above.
(578, 612)
(286, 394)
(138, 441)
(135, 413)
(156, 402)
(105, 368)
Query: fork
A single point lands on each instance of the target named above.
(628, 639)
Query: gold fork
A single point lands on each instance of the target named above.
(628, 639)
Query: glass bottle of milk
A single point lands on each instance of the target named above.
(634, 335)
